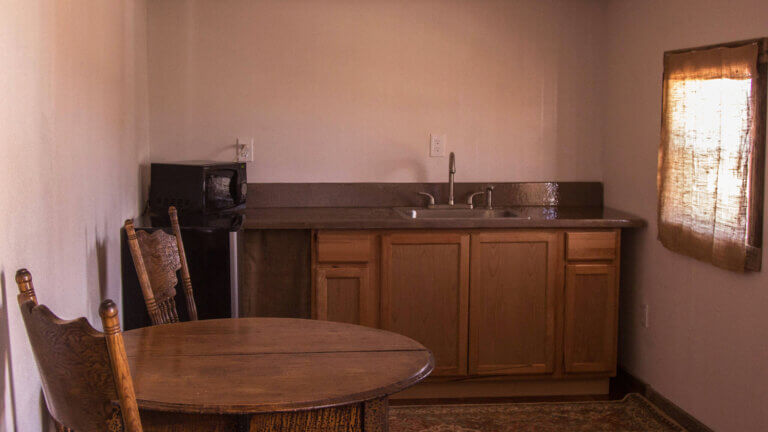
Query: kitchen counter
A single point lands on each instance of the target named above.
(280, 219)
(389, 218)
(352, 252)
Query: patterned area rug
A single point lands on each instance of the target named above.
(632, 414)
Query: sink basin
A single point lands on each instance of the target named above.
(464, 213)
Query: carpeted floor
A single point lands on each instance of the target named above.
(632, 414)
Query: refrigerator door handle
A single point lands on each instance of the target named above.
(234, 271)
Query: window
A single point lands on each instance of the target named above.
(710, 178)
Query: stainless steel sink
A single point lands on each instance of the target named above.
(459, 213)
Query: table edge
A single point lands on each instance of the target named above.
(245, 409)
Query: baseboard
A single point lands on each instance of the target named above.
(504, 388)
(625, 382)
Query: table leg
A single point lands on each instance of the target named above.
(370, 416)
(60, 428)
(376, 415)
(345, 418)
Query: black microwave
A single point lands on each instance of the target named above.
(197, 188)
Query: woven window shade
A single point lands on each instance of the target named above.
(707, 156)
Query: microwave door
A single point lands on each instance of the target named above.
(219, 190)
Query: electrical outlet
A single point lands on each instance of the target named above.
(244, 150)
(644, 316)
(436, 145)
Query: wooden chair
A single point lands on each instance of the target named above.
(83, 371)
(157, 257)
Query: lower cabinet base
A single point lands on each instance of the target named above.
(504, 388)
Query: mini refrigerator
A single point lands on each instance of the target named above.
(214, 254)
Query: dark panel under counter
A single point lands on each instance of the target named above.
(277, 274)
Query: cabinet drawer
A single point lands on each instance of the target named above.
(340, 247)
(591, 245)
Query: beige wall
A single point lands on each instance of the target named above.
(344, 90)
(707, 344)
(349, 91)
(73, 133)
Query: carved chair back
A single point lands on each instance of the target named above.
(157, 257)
(83, 371)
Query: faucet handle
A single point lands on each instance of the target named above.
(489, 197)
(431, 198)
(471, 197)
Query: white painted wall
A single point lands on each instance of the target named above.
(344, 90)
(73, 134)
(707, 345)
(349, 91)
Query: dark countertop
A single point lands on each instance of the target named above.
(389, 218)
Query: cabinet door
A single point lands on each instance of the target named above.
(512, 302)
(344, 293)
(424, 293)
(591, 313)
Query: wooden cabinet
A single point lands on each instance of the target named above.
(591, 245)
(345, 288)
(344, 247)
(344, 294)
(526, 304)
(591, 313)
(591, 304)
(425, 293)
(513, 302)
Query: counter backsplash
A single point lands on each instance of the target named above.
(566, 194)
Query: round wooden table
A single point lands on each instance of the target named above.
(270, 374)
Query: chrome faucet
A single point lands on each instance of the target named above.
(451, 199)
(451, 172)
(471, 198)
